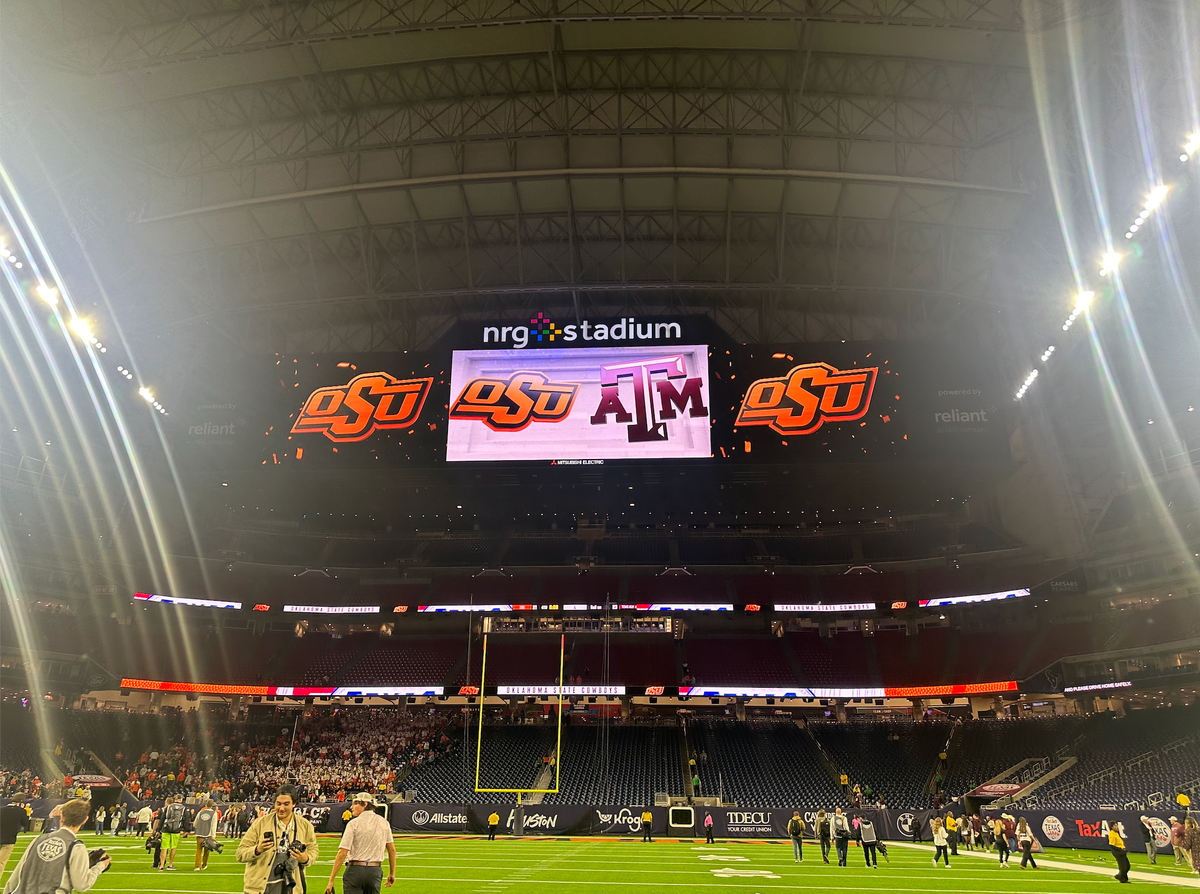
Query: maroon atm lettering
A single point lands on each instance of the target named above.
(660, 376)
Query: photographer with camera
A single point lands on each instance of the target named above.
(277, 847)
(59, 861)
(204, 826)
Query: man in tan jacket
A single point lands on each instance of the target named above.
(280, 838)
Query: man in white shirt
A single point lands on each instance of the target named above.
(58, 860)
(145, 816)
(368, 835)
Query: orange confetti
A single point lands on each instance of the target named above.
(299, 453)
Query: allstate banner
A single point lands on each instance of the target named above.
(1089, 828)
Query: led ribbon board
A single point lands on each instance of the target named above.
(287, 691)
(1095, 686)
(832, 607)
(554, 690)
(983, 597)
(332, 609)
(183, 600)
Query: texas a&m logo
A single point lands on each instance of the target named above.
(808, 397)
(365, 404)
(649, 378)
(511, 404)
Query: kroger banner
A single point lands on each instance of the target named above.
(1089, 828)
(579, 403)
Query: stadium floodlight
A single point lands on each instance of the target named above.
(1083, 301)
(49, 294)
(81, 328)
(1110, 262)
(147, 394)
(1155, 198)
(1191, 147)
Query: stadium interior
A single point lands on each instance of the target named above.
(757, 404)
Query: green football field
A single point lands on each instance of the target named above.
(462, 864)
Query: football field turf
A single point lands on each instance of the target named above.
(441, 865)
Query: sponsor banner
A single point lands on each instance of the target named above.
(540, 819)
(996, 789)
(579, 403)
(626, 819)
(1089, 828)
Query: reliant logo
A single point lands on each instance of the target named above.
(646, 423)
(544, 332)
(807, 397)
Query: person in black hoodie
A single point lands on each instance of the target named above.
(823, 834)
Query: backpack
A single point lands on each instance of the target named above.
(173, 819)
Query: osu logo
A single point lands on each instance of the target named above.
(808, 397)
(511, 404)
(356, 410)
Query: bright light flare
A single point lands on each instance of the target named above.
(49, 294)
(1110, 262)
(147, 394)
(1156, 196)
(1083, 301)
(1191, 147)
(81, 328)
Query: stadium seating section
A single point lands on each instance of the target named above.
(1140, 759)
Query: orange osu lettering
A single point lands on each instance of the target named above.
(808, 397)
(365, 404)
(511, 404)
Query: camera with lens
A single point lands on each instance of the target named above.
(298, 847)
(96, 856)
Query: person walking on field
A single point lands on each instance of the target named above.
(52, 862)
(204, 827)
(493, 822)
(144, 818)
(841, 835)
(940, 846)
(823, 834)
(870, 842)
(795, 829)
(1001, 841)
(1025, 841)
(952, 833)
(1116, 844)
(366, 840)
(1148, 837)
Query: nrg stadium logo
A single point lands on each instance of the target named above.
(544, 332)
